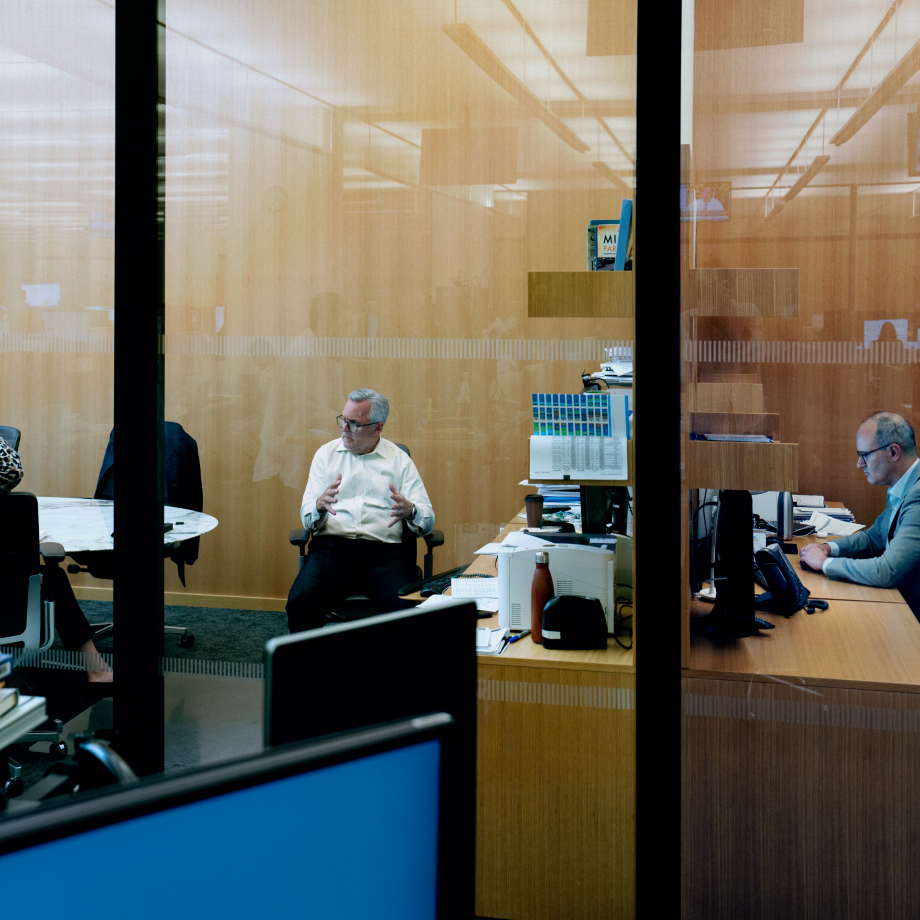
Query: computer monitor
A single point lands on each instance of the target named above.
(378, 669)
(344, 827)
(732, 614)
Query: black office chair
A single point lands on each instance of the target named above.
(358, 606)
(11, 436)
(182, 489)
(26, 621)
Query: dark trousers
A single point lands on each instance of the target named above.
(336, 568)
(72, 626)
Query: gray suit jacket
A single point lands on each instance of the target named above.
(865, 560)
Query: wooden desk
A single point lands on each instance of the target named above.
(828, 589)
(799, 754)
(556, 776)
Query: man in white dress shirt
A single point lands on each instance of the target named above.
(360, 491)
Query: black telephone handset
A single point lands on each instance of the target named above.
(785, 593)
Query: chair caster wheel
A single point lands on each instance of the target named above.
(57, 749)
(13, 788)
(187, 641)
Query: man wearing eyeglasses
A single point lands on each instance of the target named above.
(887, 555)
(362, 488)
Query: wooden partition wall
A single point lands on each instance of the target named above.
(354, 198)
(799, 318)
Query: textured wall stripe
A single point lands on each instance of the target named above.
(801, 712)
(515, 691)
(799, 353)
(412, 349)
(215, 670)
(53, 658)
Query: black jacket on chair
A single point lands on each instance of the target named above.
(181, 482)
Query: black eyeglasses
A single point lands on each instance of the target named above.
(343, 423)
(862, 454)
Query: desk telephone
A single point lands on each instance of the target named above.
(785, 593)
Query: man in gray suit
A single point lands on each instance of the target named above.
(887, 555)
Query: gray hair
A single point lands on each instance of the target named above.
(891, 428)
(380, 408)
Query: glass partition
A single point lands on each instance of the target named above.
(799, 317)
(57, 315)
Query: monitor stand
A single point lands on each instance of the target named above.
(728, 624)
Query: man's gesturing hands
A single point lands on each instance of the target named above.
(325, 502)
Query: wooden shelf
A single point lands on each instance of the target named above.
(735, 423)
(742, 465)
(589, 295)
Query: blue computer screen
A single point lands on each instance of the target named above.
(355, 840)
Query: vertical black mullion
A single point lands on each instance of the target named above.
(657, 465)
(138, 606)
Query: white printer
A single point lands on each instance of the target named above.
(587, 571)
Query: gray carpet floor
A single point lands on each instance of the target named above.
(223, 638)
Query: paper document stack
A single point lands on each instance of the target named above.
(491, 641)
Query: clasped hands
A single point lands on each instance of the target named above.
(400, 509)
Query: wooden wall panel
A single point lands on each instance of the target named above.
(798, 804)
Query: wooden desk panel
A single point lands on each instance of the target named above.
(555, 833)
(555, 794)
(851, 644)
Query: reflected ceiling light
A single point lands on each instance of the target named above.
(611, 176)
(884, 92)
(483, 56)
(817, 164)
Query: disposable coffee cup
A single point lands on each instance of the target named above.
(534, 506)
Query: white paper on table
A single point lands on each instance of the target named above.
(474, 587)
(825, 525)
(518, 538)
(441, 600)
(493, 549)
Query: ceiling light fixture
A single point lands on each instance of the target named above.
(884, 93)
(481, 55)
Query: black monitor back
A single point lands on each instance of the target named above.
(375, 670)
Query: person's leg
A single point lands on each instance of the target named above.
(319, 583)
(72, 626)
(387, 568)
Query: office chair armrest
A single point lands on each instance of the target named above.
(433, 539)
(299, 537)
(52, 553)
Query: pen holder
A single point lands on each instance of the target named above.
(534, 506)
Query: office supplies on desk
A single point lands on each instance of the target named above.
(490, 641)
(520, 635)
(579, 458)
(9, 697)
(572, 622)
(579, 570)
(474, 587)
(824, 525)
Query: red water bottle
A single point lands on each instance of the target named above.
(541, 591)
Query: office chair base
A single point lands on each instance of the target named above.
(186, 639)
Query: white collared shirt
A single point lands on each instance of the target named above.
(362, 511)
